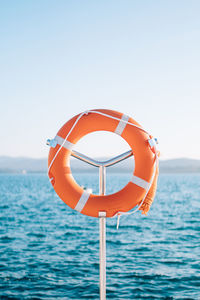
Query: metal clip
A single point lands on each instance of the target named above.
(52, 143)
(102, 214)
(152, 142)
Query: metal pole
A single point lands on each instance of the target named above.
(102, 214)
(102, 235)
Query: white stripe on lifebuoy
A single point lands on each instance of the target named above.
(140, 182)
(82, 201)
(122, 124)
(66, 145)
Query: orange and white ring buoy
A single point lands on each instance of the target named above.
(127, 198)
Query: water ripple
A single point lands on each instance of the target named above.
(49, 251)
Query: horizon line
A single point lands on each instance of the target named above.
(98, 157)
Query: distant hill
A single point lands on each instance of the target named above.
(180, 165)
(32, 165)
(20, 164)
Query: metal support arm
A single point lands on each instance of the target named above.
(106, 163)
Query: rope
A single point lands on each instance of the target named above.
(118, 119)
(118, 214)
(121, 213)
(77, 120)
(75, 123)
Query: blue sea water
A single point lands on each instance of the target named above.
(48, 251)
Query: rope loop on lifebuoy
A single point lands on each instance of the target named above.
(140, 191)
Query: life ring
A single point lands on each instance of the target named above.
(127, 198)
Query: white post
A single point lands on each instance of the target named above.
(102, 214)
(102, 235)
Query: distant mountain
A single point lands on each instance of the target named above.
(180, 165)
(33, 165)
(19, 164)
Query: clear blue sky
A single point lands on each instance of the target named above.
(58, 58)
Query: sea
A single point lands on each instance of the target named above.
(49, 251)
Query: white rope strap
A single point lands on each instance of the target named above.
(82, 201)
(61, 146)
(65, 144)
(140, 182)
(122, 124)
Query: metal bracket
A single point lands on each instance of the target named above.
(106, 163)
(52, 143)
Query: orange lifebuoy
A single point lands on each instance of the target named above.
(127, 198)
